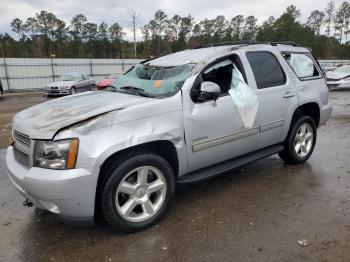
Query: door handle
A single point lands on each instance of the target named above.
(288, 94)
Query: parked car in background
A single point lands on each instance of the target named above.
(70, 83)
(104, 83)
(339, 78)
(326, 67)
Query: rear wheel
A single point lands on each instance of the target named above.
(300, 141)
(137, 192)
(92, 87)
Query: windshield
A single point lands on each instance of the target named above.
(343, 69)
(152, 81)
(67, 77)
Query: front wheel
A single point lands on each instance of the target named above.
(300, 142)
(73, 91)
(138, 192)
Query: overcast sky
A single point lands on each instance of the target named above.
(112, 11)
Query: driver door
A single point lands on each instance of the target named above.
(214, 131)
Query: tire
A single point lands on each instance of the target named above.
(135, 173)
(294, 154)
(92, 88)
(1, 90)
(73, 91)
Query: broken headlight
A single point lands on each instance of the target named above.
(61, 154)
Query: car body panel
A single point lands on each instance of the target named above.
(44, 120)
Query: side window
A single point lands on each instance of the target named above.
(266, 69)
(302, 64)
(86, 77)
(221, 74)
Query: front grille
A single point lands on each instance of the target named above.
(21, 138)
(21, 157)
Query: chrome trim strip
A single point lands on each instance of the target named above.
(223, 139)
(272, 125)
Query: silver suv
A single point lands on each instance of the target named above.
(181, 118)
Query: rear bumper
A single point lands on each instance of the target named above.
(69, 194)
(325, 114)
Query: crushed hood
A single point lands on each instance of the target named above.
(336, 75)
(44, 120)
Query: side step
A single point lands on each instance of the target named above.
(228, 165)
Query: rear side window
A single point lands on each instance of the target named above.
(266, 68)
(302, 64)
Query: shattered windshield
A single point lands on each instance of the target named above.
(151, 81)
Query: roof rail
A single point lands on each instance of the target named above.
(246, 43)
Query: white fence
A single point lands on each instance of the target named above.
(35, 73)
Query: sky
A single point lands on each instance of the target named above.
(112, 11)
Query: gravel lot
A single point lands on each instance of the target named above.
(256, 213)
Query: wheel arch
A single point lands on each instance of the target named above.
(163, 148)
(311, 109)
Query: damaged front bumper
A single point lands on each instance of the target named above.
(68, 194)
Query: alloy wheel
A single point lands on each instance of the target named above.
(303, 140)
(140, 194)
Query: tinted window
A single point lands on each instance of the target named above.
(267, 70)
(302, 64)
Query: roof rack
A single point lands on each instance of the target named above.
(246, 43)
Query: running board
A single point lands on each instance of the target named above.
(217, 169)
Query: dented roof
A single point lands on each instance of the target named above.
(196, 56)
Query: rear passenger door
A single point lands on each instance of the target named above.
(276, 94)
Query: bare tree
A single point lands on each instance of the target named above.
(133, 15)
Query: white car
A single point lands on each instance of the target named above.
(339, 78)
(69, 84)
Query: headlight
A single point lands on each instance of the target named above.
(347, 78)
(61, 154)
(65, 87)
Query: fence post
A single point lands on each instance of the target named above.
(123, 64)
(52, 70)
(6, 75)
(91, 68)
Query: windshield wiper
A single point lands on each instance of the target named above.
(135, 90)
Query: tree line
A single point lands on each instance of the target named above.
(326, 32)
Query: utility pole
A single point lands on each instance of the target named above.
(133, 15)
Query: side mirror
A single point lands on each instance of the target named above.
(209, 90)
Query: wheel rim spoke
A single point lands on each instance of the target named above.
(142, 175)
(128, 206)
(147, 207)
(297, 147)
(127, 188)
(156, 186)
